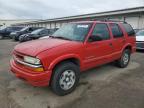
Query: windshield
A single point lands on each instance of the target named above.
(73, 31)
(36, 31)
(140, 33)
(25, 28)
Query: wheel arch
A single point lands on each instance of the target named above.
(60, 60)
(72, 58)
(128, 46)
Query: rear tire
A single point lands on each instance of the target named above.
(65, 78)
(124, 60)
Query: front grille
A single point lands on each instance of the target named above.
(140, 44)
(18, 56)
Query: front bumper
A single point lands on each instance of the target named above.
(12, 36)
(140, 45)
(33, 78)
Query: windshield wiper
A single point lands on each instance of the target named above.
(60, 37)
(52, 36)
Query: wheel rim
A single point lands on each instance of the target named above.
(67, 79)
(126, 58)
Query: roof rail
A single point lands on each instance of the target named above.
(109, 20)
(117, 21)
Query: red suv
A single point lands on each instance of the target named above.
(74, 48)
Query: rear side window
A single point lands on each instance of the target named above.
(116, 31)
(102, 31)
(129, 30)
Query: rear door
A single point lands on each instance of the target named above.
(118, 39)
(131, 38)
(99, 52)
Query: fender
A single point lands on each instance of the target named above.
(64, 57)
(128, 44)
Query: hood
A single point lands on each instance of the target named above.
(33, 48)
(139, 38)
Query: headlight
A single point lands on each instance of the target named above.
(32, 60)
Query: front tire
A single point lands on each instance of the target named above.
(124, 60)
(16, 38)
(65, 78)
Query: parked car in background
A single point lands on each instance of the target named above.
(5, 32)
(74, 48)
(140, 40)
(25, 30)
(34, 35)
(51, 32)
(137, 30)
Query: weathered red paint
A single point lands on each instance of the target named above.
(53, 51)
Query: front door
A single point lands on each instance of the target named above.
(99, 51)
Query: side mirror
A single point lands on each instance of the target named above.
(94, 38)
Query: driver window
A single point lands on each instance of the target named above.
(102, 31)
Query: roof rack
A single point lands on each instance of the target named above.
(117, 21)
(108, 20)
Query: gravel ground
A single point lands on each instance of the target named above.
(103, 87)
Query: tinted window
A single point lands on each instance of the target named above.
(44, 32)
(102, 31)
(36, 31)
(51, 31)
(35, 28)
(129, 30)
(116, 31)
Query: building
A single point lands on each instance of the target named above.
(134, 16)
(5, 23)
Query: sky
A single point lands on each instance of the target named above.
(46, 9)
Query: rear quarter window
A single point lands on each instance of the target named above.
(129, 29)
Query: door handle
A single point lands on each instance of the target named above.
(110, 44)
